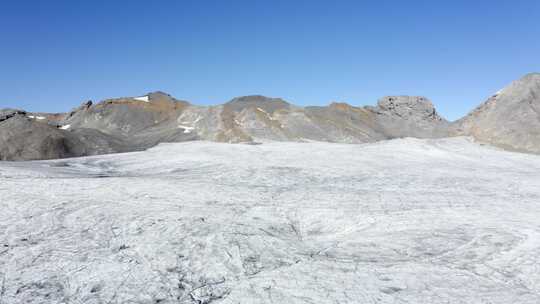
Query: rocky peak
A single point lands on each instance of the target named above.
(254, 98)
(524, 84)
(509, 118)
(526, 87)
(524, 90)
(407, 107)
(268, 104)
(160, 96)
(83, 107)
(341, 106)
(531, 77)
(86, 105)
(152, 101)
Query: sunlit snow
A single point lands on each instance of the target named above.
(401, 221)
(142, 98)
(36, 117)
(187, 129)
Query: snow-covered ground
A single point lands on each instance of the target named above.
(401, 221)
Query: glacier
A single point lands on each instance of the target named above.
(399, 221)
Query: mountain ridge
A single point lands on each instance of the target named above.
(140, 122)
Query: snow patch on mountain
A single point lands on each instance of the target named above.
(142, 98)
(37, 117)
(187, 129)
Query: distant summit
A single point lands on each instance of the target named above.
(268, 104)
(509, 119)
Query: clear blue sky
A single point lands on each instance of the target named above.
(56, 54)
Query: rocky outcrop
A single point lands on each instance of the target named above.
(267, 104)
(22, 138)
(30, 137)
(409, 116)
(126, 116)
(6, 114)
(509, 119)
(135, 122)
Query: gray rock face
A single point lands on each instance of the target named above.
(409, 116)
(126, 117)
(267, 104)
(135, 123)
(509, 119)
(25, 137)
(6, 114)
(22, 138)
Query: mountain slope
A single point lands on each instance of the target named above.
(509, 119)
(29, 137)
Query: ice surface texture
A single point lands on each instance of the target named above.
(401, 221)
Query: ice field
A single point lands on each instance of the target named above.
(400, 221)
